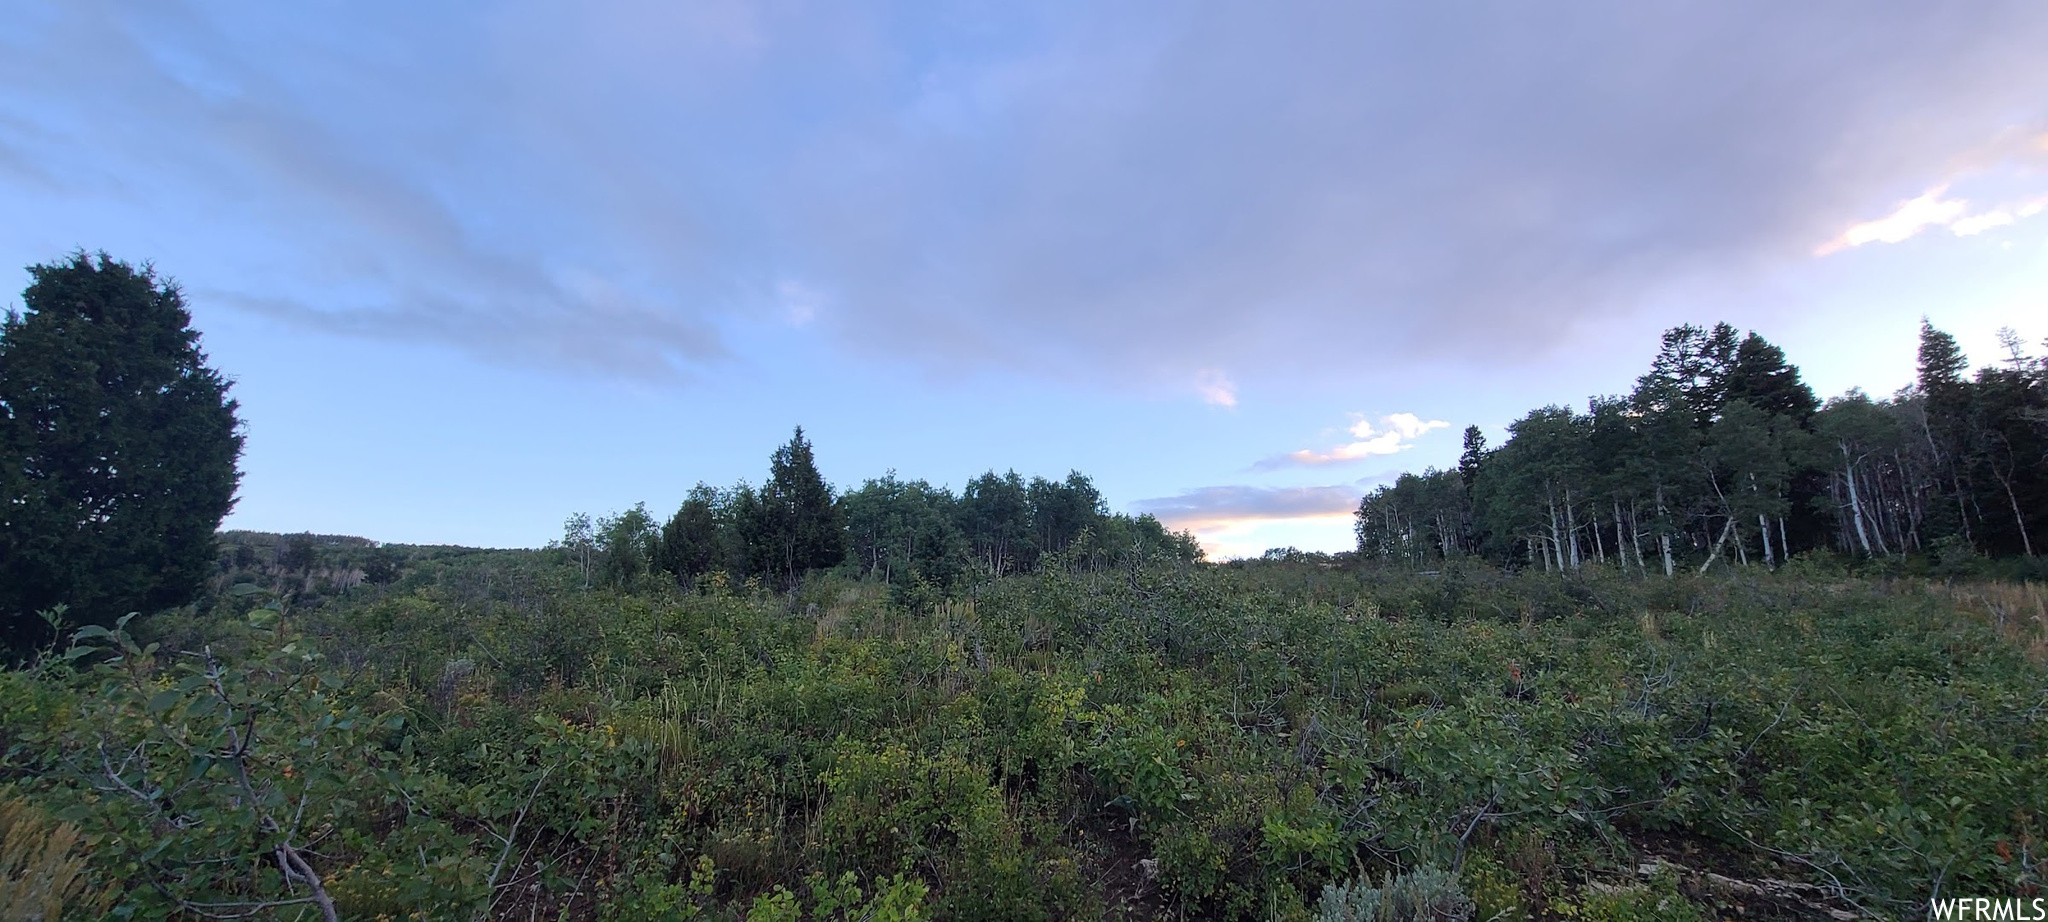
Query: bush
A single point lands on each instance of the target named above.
(1659, 901)
(1426, 894)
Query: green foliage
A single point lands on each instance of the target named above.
(793, 526)
(690, 546)
(1496, 895)
(1218, 742)
(118, 448)
(211, 784)
(1660, 901)
(628, 544)
(903, 533)
(898, 899)
(1722, 453)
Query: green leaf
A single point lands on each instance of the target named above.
(163, 701)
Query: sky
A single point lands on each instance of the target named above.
(474, 267)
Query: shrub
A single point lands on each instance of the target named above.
(1426, 894)
(1659, 901)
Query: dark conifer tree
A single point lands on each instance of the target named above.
(1944, 424)
(118, 448)
(1942, 363)
(1761, 376)
(1473, 456)
(689, 540)
(800, 522)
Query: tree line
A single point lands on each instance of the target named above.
(901, 532)
(1722, 452)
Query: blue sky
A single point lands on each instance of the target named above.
(477, 266)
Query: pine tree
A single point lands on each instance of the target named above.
(689, 541)
(1942, 362)
(1944, 425)
(118, 448)
(1473, 456)
(800, 528)
(1761, 376)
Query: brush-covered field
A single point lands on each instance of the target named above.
(481, 737)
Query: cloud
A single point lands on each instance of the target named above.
(1910, 218)
(1216, 389)
(1230, 521)
(1210, 508)
(1927, 210)
(1083, 192)
(1395, 433)
(800, 302)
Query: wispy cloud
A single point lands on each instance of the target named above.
(800, 302)
(1216, 389)
(1931, 209)
(1394, 433)
(1210, 508)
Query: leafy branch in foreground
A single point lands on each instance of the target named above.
(228, 788)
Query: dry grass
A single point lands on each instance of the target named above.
(42, 867)
(2018, 611)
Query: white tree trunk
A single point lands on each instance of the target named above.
(1855, 504)
(1715, 554)
(1571, 526)
(1556, 542)
(1664, 538)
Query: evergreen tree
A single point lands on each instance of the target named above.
(118, 448)
(689, 540)
(799, 526)
(1761, 376)
(1944, 424)
(751, 551)
(1696, 363)
(1473, 456)
(1942, 363)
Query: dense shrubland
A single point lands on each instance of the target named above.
(481, 736)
